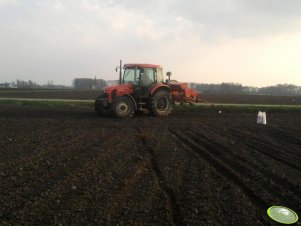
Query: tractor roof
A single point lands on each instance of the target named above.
(142, 66)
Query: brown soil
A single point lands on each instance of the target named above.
(67, 166)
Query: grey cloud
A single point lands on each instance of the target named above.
(212, 18)
(240, 17)
(277, 8)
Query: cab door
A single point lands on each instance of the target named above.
(137, 85)
(147, 80)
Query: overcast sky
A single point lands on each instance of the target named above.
(253, 42)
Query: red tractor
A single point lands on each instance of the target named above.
(142, 87)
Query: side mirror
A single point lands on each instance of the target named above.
(116, 69)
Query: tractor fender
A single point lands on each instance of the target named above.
(129, 95)
(159, 86)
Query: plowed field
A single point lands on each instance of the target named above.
(65, 165)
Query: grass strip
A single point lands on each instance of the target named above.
(196, 107)
(238, 107)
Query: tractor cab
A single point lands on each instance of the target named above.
(142, 77)
(142, 74)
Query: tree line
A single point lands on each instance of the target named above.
(88, 83)
(236, 88)
(223, 88)
(31, 85)
(78, 83)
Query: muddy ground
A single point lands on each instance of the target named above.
(67, 166)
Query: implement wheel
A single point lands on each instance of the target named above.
(161, 103)
(123, 107)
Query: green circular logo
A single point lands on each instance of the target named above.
(282, 214)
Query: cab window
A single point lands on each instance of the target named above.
(159, 73)
(131, 75)
(148, 77)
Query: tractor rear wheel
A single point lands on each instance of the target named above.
(161, 103)
(123, 107)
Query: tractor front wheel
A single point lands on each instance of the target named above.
(99, 108)
(161, 103)
(123, 107)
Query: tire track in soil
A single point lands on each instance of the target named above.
(280, 134)
(267, 134)
(257, 143)
(123, 194)
(275, 148)
(211, 144)
(281, 157)
(196, 193)
(172, 207)
(228, 172)
(278, 188)
(272, 134)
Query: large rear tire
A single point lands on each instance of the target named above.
(161, 103)
(123, 107)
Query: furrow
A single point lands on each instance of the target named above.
(270, 153)
(224, 169)
(264, 176)
(170, 195)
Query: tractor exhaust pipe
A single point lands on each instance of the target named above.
(120, 72)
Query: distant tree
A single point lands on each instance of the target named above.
(100, 83)
(280, 90)
(224, 88)
(236, 88)
(88, 83)
(83, 83)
